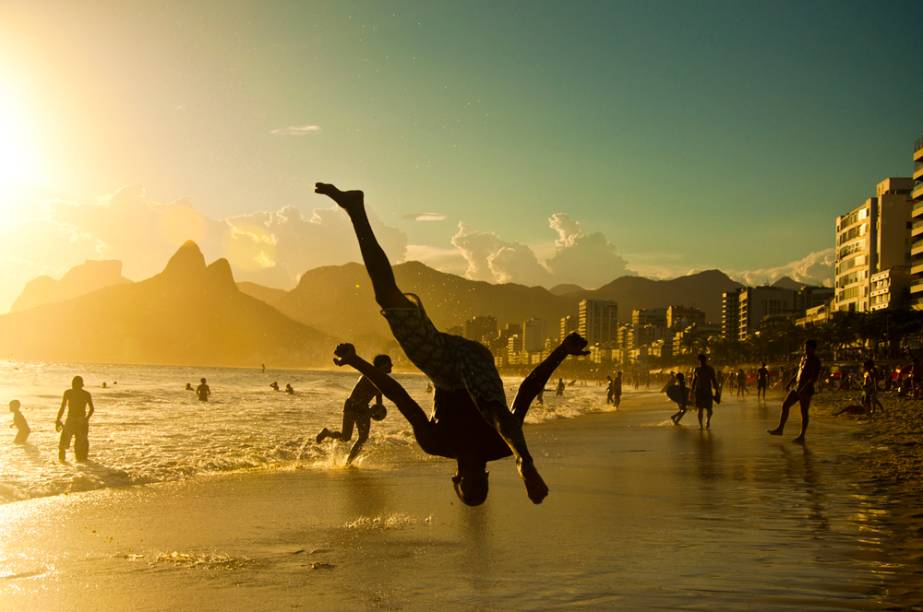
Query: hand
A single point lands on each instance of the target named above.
(58, 425)
(574, 344)
(344, 354)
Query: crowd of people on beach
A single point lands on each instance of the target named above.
(472, 421)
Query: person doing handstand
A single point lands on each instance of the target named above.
(457, 430)
(356, 411)
(455, 365)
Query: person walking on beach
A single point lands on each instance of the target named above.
(19, 422)
(77, 423)
(203, 391)
(870, 400)
(457, 430)
(610, 390)
(453, 363)
(617, 390)
(703, 381)
(559, 390)
(741, 383)
(683, 397)
(804, 381)
(356, 411)
(762, 382)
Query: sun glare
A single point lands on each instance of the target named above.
(20, 170)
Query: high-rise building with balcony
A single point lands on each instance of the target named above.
(916, 246)
(730, 314)
(597, 320)
(871, 238)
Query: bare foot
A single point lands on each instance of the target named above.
(774, 432)
(349, 201)
(535, 486)
(799, 440)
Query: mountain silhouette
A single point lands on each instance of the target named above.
(189, 314)
(79, 280)
(788, 283)
(269, 295)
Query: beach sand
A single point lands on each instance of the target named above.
(642, 515)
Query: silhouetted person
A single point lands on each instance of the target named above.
(274, 386)
(741, 383)
(19, 422)
(762, 382)
(189, 387)
(610, 390)
(289, 389)
(263, 366)
(684, 399)
(105, 386)
(804, 379)
(356, 410)
(452, 363)
(77, 423)
(870, 387)
(203, 391)
(456, 429)
(559, 390)
(617, 389)
(703, 381)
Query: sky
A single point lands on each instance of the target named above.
(533, 142)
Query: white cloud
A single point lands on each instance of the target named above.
(586, 259)
(296, 130)
(813, 269)
(273, 247)
(425, 216)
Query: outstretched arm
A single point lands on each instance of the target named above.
(574, 344)
(390, 388)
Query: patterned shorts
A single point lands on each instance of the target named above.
(451, 362)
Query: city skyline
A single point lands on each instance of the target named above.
(608, 135)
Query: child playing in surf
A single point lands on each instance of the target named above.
(19, 422)
(356, 411)
(457, 430)
(454, 364)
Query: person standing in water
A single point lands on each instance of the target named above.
(804, 380)
(683, 401)
(19, 422)
(77, 424)
(703, 381)
(203, 391)
(559, 390)
(356, 411)
(617, 390)
(452, 363)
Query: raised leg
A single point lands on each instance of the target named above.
(376, 261)
(790, 401)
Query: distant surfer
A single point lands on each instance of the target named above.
(456, 429)
(356, 411)
(804, 380)
(454, 364)
(762, 382)
(77, 423)
(19, 422)
(203, 391)
(703, 381)
(263, 366)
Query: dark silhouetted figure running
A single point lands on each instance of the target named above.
(804, 380)
(703, 382)
(457, 430)
(356, 411)
(19, 422)
(683, 395)
(762, 382)
(203, 391)
(77, 423)
(452, 363)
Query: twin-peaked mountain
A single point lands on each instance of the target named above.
(196, 314)
(189, 314)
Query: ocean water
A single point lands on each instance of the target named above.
(148, 428)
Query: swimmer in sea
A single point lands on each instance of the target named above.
(203, 391)
(356, 411)
(459, 368)
(19, 422)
